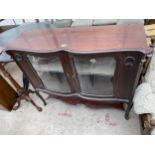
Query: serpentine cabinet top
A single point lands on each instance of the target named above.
(45, 38)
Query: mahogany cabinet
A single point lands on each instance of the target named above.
(100, 63)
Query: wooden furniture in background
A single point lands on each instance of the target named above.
(147, 124)
(21, 92)
(8, 96)
(150, 33)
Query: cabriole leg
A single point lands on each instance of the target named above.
(127, 111)
(41, 98)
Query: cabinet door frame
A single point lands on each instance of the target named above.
(32, 74)
(120, 82)
(116, 74)
(124, 79)
(129, 73)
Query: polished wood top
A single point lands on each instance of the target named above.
(44, 38)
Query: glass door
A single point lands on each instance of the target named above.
(50, 71)
(95, 74)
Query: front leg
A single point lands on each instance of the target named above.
(25, 83)
(127, 111)
(17, 105)
(41, 98)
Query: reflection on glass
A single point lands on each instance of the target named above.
(96, 75)
(50, 72)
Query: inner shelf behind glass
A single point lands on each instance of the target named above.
(96, 75)
(50, 71)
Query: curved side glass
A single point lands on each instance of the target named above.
(50, 71)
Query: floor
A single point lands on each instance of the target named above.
(61, 118)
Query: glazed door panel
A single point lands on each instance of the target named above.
(50, 71)
(96, 74)
(108, 75)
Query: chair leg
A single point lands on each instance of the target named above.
(25, 96)
(17, 105)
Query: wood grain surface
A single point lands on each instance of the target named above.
(44, 38)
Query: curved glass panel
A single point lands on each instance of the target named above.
(50, 71)
(96, 75)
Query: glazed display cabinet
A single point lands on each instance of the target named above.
(100, 63)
